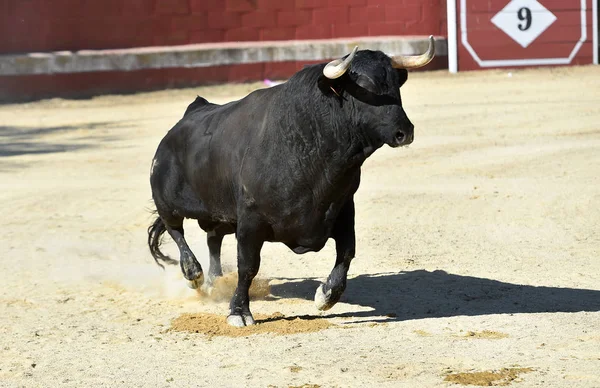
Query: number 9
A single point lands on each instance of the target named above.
(524, 14)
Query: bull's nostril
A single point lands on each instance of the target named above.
(399, 136)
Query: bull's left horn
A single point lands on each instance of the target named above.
(414, 61)
(337, 68)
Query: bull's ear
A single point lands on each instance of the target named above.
(367, 83)
(403, 75)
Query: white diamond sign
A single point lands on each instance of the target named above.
(524, 20)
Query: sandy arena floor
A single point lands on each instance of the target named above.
(478, 257)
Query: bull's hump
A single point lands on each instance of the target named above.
(198, 103)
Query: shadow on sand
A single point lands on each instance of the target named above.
(423, 294)
(31, 140)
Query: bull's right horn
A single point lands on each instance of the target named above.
(337, 68)
(414, 61)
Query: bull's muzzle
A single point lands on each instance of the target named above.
(403, 136)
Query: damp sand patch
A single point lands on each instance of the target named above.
(422, 333)
(305, 386)
(486, 334)
(214, 325)
(502, 377)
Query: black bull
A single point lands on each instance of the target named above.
(281, 164)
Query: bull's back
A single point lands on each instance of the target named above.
(206, 148)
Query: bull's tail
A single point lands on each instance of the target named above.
(155, 232)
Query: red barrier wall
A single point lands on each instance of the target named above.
(51, 25)
(54, 25)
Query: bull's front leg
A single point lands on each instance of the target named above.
(329, 293)
(249, 244)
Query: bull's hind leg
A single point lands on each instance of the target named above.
(214, 240)
(174, 198)
(190, 267)
(329, 293)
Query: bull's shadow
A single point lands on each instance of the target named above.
(424, 294)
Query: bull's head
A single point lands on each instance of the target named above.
(373, 80)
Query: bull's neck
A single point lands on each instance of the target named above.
(327, 130)
(324, 143)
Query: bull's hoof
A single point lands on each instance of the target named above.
(209, 284)
(323, 299)
(207, 288)
(240, 320)
(194, 284)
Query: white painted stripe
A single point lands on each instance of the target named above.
(595, 27)
(452, 38)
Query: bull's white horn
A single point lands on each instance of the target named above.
(414, 61)
(337, 68)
